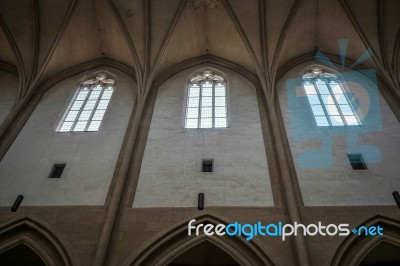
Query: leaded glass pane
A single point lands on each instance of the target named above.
(85, 115)
(220, 122)
(194, 91)
(313, 99)
(89, 105)
(332, 110)
(317, 110)
(206, 112)
(351, 120)
(337, 90)
(346, 109)
(103, 104)
(77, 105)
(207, 84)
(94, 95)
(66, 126)
(341, 98)
(336, 120)
(310, 89)
(206, 101)
(106, 95)
(220, 90)
(71, 116)
(322, 88)
(193, 102)
(80, 126)
(327, 99)
(321, 121)
(192, 112)
(191, 123)
(220, 112)
(219, 101)
(94, 126)
(82, 94)
(98, 115)
(207, 91)
(206, 123)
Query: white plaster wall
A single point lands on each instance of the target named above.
(90, 156)
(171, 174)
(340, 185)
(8, 93)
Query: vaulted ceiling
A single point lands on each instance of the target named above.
(42, 38)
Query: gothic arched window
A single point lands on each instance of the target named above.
(206, 104)
(329, 101)
(88, 106)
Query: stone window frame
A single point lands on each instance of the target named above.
(328, 99)
(219, 113)
(87, 108)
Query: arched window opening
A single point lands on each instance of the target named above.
(87, 108)
(204, 253)
(21, 255)
(206, 104)
(328, 99)
(384, 253)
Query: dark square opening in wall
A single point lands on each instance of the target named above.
(57, 170)
(357, 162)
(207, 166)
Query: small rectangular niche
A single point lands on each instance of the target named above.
(357, 162)
(208, 165)
(57, 170)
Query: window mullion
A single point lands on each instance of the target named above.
(83, 106)
(322, 102)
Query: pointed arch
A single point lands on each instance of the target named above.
(165, 247)
(391, 97)
(17, 118)
(37, 237)
(84, 67)
(206, 252)
(21, 254)
(334, 58)
(354, 248)
(206, 61)
(384, 253)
